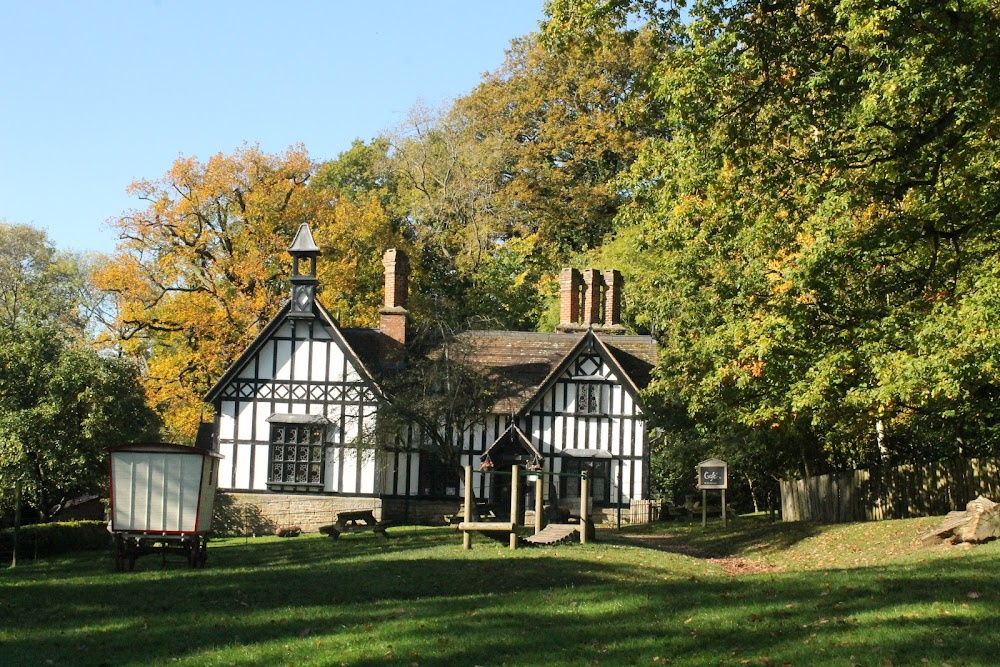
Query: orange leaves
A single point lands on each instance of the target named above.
(204, 267)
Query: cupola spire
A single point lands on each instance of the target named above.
(304, 252)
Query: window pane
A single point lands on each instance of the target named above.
(296, 455)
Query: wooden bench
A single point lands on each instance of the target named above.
(354, 521)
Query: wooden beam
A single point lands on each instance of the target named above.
(515, 492)
(488, 526)
(466, 537)
(539, 483)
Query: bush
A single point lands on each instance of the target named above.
(49, 539)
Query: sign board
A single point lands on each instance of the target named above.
(713, 474)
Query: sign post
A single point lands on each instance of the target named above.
(712, 474)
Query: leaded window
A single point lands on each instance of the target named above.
(588, 398)
(296, 454)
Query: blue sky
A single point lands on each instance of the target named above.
(98, 93)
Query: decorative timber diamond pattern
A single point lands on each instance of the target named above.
(302, 299)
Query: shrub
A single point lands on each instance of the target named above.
(49, 539)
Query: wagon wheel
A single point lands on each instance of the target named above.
(203, 552)
(119, 555)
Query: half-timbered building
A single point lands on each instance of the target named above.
(292, 411)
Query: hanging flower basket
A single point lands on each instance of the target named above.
(486, 464)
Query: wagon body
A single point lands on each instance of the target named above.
(162, 499)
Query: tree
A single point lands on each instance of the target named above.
(441, 394)
(573, 115)
(202, 268)
(61, 406)
(39, 282)
(61, 402)
(813, 233)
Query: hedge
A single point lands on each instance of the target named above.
(49, 539)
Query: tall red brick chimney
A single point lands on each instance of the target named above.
(393, 315)
(593, 283)
(613, 284)
(569, 298)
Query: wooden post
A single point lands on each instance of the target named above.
(466, 535)
(515, 492)
(584, 497)
(17, 521)
(723, 508)
(538, 501)
(704, 508)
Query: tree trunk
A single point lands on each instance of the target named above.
(979, 522)
(753, 494)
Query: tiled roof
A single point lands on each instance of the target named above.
(367, 344)
(519, 361)
(523, 361)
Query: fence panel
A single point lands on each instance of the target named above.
(644, 511)
(890, 493)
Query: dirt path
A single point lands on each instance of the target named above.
(731, 565)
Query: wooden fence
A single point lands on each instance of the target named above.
(643, 511)
(890, 493)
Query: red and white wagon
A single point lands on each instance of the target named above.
(162, 498)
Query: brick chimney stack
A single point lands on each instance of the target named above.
(393, 315)
(593, 283)
(569, 298)
(590, 299)
(613, 284)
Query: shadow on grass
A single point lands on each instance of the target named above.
(741, 537)
(367, 602)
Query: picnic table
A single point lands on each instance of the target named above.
(485, 511)
(354, 521)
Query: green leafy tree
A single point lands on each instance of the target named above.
(61, 406)
(813, 234)
(61, 402)
(39, 282)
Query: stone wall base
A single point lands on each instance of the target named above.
(262, 513)
(403, 511)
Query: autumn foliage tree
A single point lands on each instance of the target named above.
(203, 267)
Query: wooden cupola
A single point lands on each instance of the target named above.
(304, 252)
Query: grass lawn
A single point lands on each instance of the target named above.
(669, 594)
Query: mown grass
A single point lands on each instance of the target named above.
(864, 594)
